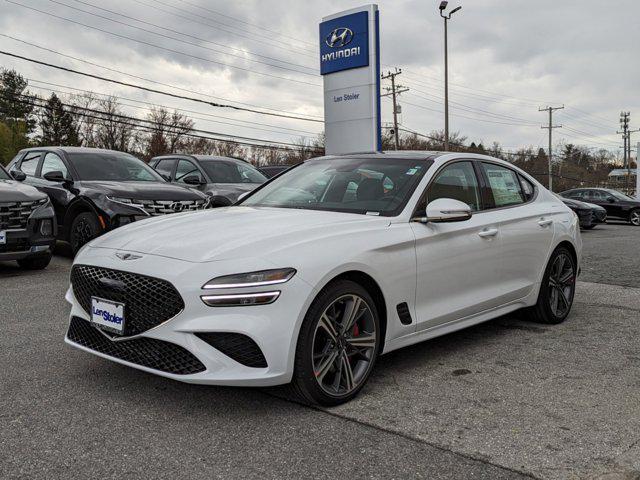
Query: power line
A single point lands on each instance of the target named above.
(199, 21)
(247, 23)
(118, 82)
(178, 52)
(394, 91)
(126, 120)
(277, 130)
(156, 82)
(200, 39)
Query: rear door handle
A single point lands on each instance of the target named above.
(488, 232)
(544, 222)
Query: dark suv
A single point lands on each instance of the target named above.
(94, 191)
(27, 224)
(617, 205)
(223, 179)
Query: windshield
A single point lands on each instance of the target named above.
(372, 186)
(220, 171)
(3, 174)
(115, 166)
(618, 195)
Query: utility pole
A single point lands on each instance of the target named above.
(625, 118)
(629, 159)
(550, 128)
(394, 91)
(442, 8)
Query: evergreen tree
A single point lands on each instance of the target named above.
(16, 103)
(57, 124)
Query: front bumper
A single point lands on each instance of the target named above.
(30, 241)
(586, 217)
(274, 328)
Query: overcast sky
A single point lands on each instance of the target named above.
(507, 59)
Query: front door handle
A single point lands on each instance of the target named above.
(545, 222)
(488, 232)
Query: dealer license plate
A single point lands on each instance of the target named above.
(107, 315)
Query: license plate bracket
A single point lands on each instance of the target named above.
(107, 315)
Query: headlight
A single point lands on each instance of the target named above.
(125, 201)
(251, 279)
(43, 201)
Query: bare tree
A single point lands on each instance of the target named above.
(169, 132)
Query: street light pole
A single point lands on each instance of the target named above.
(443, 7)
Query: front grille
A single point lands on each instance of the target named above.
(148, 301)
(156, 208)
(237, 346)
(147, 352)
(14, 215)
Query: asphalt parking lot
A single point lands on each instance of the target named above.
(507, 399)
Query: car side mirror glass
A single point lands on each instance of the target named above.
(18, 175)
(55, 176)
(447, 210)
(611, 200)
(193, 180)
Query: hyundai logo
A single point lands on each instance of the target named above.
(178, 207)
(113, 285)
(340, 37)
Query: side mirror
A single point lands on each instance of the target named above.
(193, 180)
(55, 176)
(611, 200)
(18, 175)
(446, 210)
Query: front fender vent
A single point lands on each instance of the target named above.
(404, 314)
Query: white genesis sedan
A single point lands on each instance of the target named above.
(313, 275)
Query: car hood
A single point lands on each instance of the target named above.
(575, 204)
(594, 206)
(142, 190)
(13, 191)
(230, 190)
(231, 232)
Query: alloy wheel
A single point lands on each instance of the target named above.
(344, 344)
(635, 218)
(82, 233)
(562, 284)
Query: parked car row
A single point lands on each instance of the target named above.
(95, 191)
(617, 205)
(589, 214)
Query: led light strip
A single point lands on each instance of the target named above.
(240, 300)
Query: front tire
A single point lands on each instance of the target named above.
(557, 289)
(338, 345)
(84, 228)
(634, 217)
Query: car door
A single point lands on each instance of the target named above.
(187, 168)
(58, 192)
(526, 224)
(604, 199)
(30, 165)
(456, 262)
(166, 167)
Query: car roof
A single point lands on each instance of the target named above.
(198, 157)
(71, 150)
(404, 154)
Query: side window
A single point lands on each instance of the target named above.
(53, 163)
(577, 194)
(528, 190)
(187, 169)
(504, 184)
(165, 167)
(29, 164)
(457, 181)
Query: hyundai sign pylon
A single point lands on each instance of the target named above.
(350, 66)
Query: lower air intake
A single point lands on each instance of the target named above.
(147, 352)
(237, 346)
